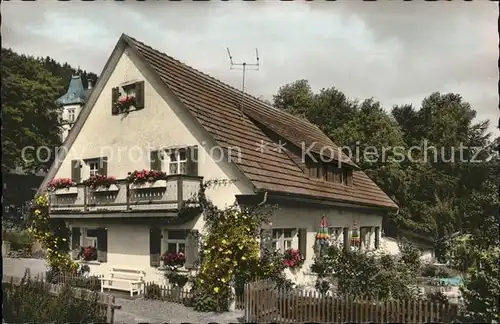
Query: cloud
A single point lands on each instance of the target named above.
(390, 50)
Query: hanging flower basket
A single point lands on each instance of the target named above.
(100, 181)
(88, 253)
(146, 176)
(293, 259)
(124, 104)
(60, 183)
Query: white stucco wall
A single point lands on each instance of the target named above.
(128, 247)
(310, 218)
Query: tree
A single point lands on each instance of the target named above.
(29, 112)
(439, 190)
(30, 116)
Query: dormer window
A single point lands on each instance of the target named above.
(330, 172)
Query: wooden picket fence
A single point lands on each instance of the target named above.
(264, 304)
(167, 293)
(106, 301)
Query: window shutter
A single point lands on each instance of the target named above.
(191, 249)
(303, 242)
(76, 171)
(266, 240)
(75, 242)
(139, 95)
(192, 161)
(154, 247)
(115, 95)
(347, 244)
(102, 245)
(377, 237)
(155, 161)
(103, 166)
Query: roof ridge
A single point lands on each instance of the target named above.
(245, 94)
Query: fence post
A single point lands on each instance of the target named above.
(110, 312)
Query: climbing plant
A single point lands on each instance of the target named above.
(53, 234)
(230, 248)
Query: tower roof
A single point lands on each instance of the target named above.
(76, 94)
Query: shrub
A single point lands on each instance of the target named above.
(32, 301)
(19, 240)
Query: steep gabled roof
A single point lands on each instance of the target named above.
(229, 115)
(237, 120)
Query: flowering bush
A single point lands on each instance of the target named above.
(61, 183)
(125, 103)
(88, 253)
(173, 259)
(293, 259)
(151, 176)
(99, 181)
(53, 234)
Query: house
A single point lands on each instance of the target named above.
(196, 128)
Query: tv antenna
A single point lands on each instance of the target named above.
(244, 66)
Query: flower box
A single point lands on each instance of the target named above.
(66, 191)
(109, 188)
(59, 185)
(101, 183)
(148, 185)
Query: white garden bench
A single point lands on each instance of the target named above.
(127, 280)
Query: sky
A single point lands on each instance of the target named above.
(396, 52)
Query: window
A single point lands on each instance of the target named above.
(128, 90)
(365, 233)
(94, 237)
(94, 168)
(282, 239)
(177, 161)
(176, 241)
(71, 115)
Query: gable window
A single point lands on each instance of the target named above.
(176, 241)
(71, 115)
(282, 239)
(134, 92)
(177, 161)
(94, 168)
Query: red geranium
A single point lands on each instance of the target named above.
(99, 181)
(88, 253)
(139, 177)
(173, 259)
(124, 103)
(61, 183)
(293, 259)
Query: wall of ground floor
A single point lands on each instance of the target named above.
(128, 245)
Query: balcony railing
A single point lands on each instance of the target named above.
(163, 195)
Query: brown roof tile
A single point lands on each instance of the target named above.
(229, 117)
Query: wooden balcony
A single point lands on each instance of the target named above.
(161, 196)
